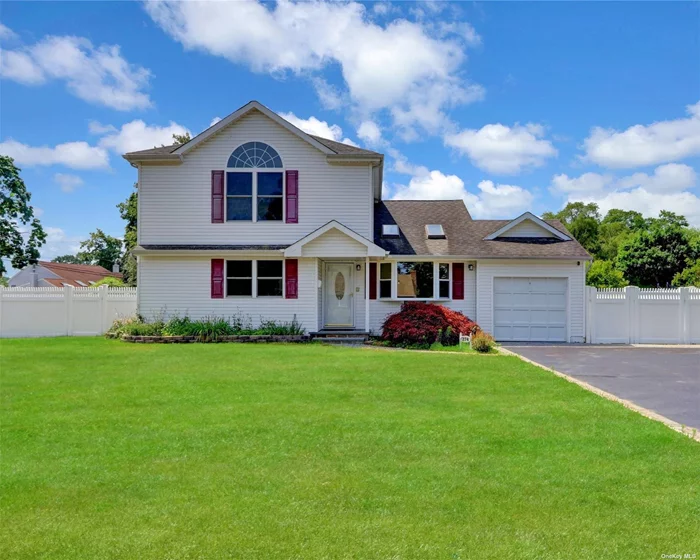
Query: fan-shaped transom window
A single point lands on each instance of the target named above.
(255, 154)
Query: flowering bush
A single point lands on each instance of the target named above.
(422, 324)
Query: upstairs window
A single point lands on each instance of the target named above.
(253, 191)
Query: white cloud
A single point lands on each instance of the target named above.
(58, 242)
(491, 200)
(329, 96)
(668, 188)
(98, 75)
(641, 145)
(137, 135)
(98, 128)
(214, 121)
(76, 155)
(6, 32)
(502, 149)
(394, 66)
(67, 182)
(369, 132)
(317, 127)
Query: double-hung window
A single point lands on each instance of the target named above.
(444, 280)
(385, 280)
(254, 278)
(254, 184)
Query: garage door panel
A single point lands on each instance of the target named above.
(530, 309)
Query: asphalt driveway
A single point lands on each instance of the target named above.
(665, 380)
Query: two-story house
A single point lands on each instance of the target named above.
(255, 218)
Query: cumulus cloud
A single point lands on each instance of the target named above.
(76, 155)
(490, 201)
(317, 127)
(6, 33)
(99, 75)
(67, 182)
(214, 121)
(137, 135)
(641, 145)
(502, 149)
(369, 132)
(667, 188)
(58, 242)
(394, 66)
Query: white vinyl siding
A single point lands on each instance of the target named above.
(171, 286)
(527, 228)
(334, 243)
(175, 200)
(487, 270)
(379, 309)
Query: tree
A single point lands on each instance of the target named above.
(603, 274)
(654, 255)
(182, 138)
(69, 259)
(128, 210)
(631, 220)
(109, 281)
(101, 249)
(21, 233)
(690, 276)
(583, 221)
(616, 227)
(4, 281)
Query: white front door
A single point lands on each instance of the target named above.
(338, 295)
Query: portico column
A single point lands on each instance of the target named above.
(366, 294)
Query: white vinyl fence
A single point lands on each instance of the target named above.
(67, 311)
(643, 315)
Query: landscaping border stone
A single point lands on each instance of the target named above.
(236, 338)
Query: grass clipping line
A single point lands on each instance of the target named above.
(692, 433)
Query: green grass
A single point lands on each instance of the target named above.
(115, 450)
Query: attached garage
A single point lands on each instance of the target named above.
(530, 309)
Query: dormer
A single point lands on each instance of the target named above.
(528, 226)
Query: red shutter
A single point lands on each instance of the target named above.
(217, 278)
(291, 274)
(458, 281)
(292, 197)
(217, 197)
(372, 280)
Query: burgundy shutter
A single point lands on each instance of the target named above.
(217, 278)
(458, 281)
(291, 273)
(372, 280)
(292, 197)
(217, 197)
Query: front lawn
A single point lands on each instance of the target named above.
(114, 450)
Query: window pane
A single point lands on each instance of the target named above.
(269, 208)
(239, 269)
(385, 289)
(270, 287)
(270, 269)
(444, 288)
(239, 208)
(444, 271)
(239, 287)
(239, 183)
(270, 184)
(385, 271)
(415, 279)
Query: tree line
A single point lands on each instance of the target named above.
(629, 249)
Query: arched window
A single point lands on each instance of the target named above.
(254, 184)
(255, 154)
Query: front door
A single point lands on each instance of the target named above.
(338, 295)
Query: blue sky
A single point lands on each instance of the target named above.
(511, 106)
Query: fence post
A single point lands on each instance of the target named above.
(632, 301)
(684, 312)
(591, 297)
(103, 307)
(68, 299)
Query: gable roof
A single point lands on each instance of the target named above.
(72, 273)
(295, 250)
(176, 151)
(529, 216)
(464, 237)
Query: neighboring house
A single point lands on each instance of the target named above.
(47, 274)
(255, 218)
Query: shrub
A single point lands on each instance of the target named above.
(282, 329)
(482, 342)
(421, 324)
(109, 281)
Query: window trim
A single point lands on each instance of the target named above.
(254, 278)
(436, 279)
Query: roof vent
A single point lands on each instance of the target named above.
(435, 231)
(390, 230)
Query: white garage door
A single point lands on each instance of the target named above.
(530, 309)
